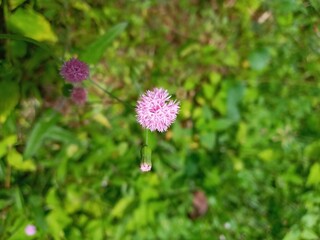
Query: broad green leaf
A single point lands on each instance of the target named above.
(314, 175)
(186, 107)
(259, 59)
(312, 151)
(292, 235)
(95, 230)
(61, 135)
(121, 206)
(222, 124)
(74, 200)
(31, 24)
(208, 140)
(242, 133)
(39, 132)
(57, 220)
(235, 94)
(52, 200)
(190, 82)
(267, 154)
(308, 234)
(95, 51)
(15, 160)
(103, 120)
(310, 220)
(208, 90)
(6, 143)
(122, 148)
(215, 78)
(9, 97)
(18, 199)
(15, 3)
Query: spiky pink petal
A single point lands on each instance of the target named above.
(74, 71)
(155, 111)
(79, 95)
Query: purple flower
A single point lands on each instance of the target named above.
(79, 95)
(145, 167)
(30, 230)
(74, 71)
(155, 111)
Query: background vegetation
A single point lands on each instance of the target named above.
(240, 162)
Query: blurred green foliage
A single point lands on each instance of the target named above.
(240, 162)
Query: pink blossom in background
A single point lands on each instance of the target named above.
(79, 95)
(155, 111)
(74, 71)
(145, 167)
(30, 230)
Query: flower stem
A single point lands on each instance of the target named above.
(146, 131)
(110, 94)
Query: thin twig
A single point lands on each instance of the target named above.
(111, 94)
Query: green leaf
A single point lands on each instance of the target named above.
(259, 59)
(26, 39)
(315, 4)
(121, 206)
(57, 220)
(267, 154)
(95, 51)
(314, 175)
(292, 235)
(208, 140)
(61, 135)
(39, 132)
(15, 3)
(234, 97)
(7, 143)
(31, 24)
(242, 133)
(15, 160)
(9, 97)
(208, 91)
(18, 199)
(308, 234)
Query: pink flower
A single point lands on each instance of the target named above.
(79, 95)
(30, 230)
(145, 167)
(155, 111)
(74, 71)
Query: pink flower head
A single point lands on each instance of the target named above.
(155, 111)
(74, 71)
(79, 95)
(30, 230)
(145, 167)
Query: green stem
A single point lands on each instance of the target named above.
(110, 94)
(146, 136)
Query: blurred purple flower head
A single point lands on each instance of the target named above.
(145, 167)
(79, 95)
(155, 111)
(30, 230)
(74, 71)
